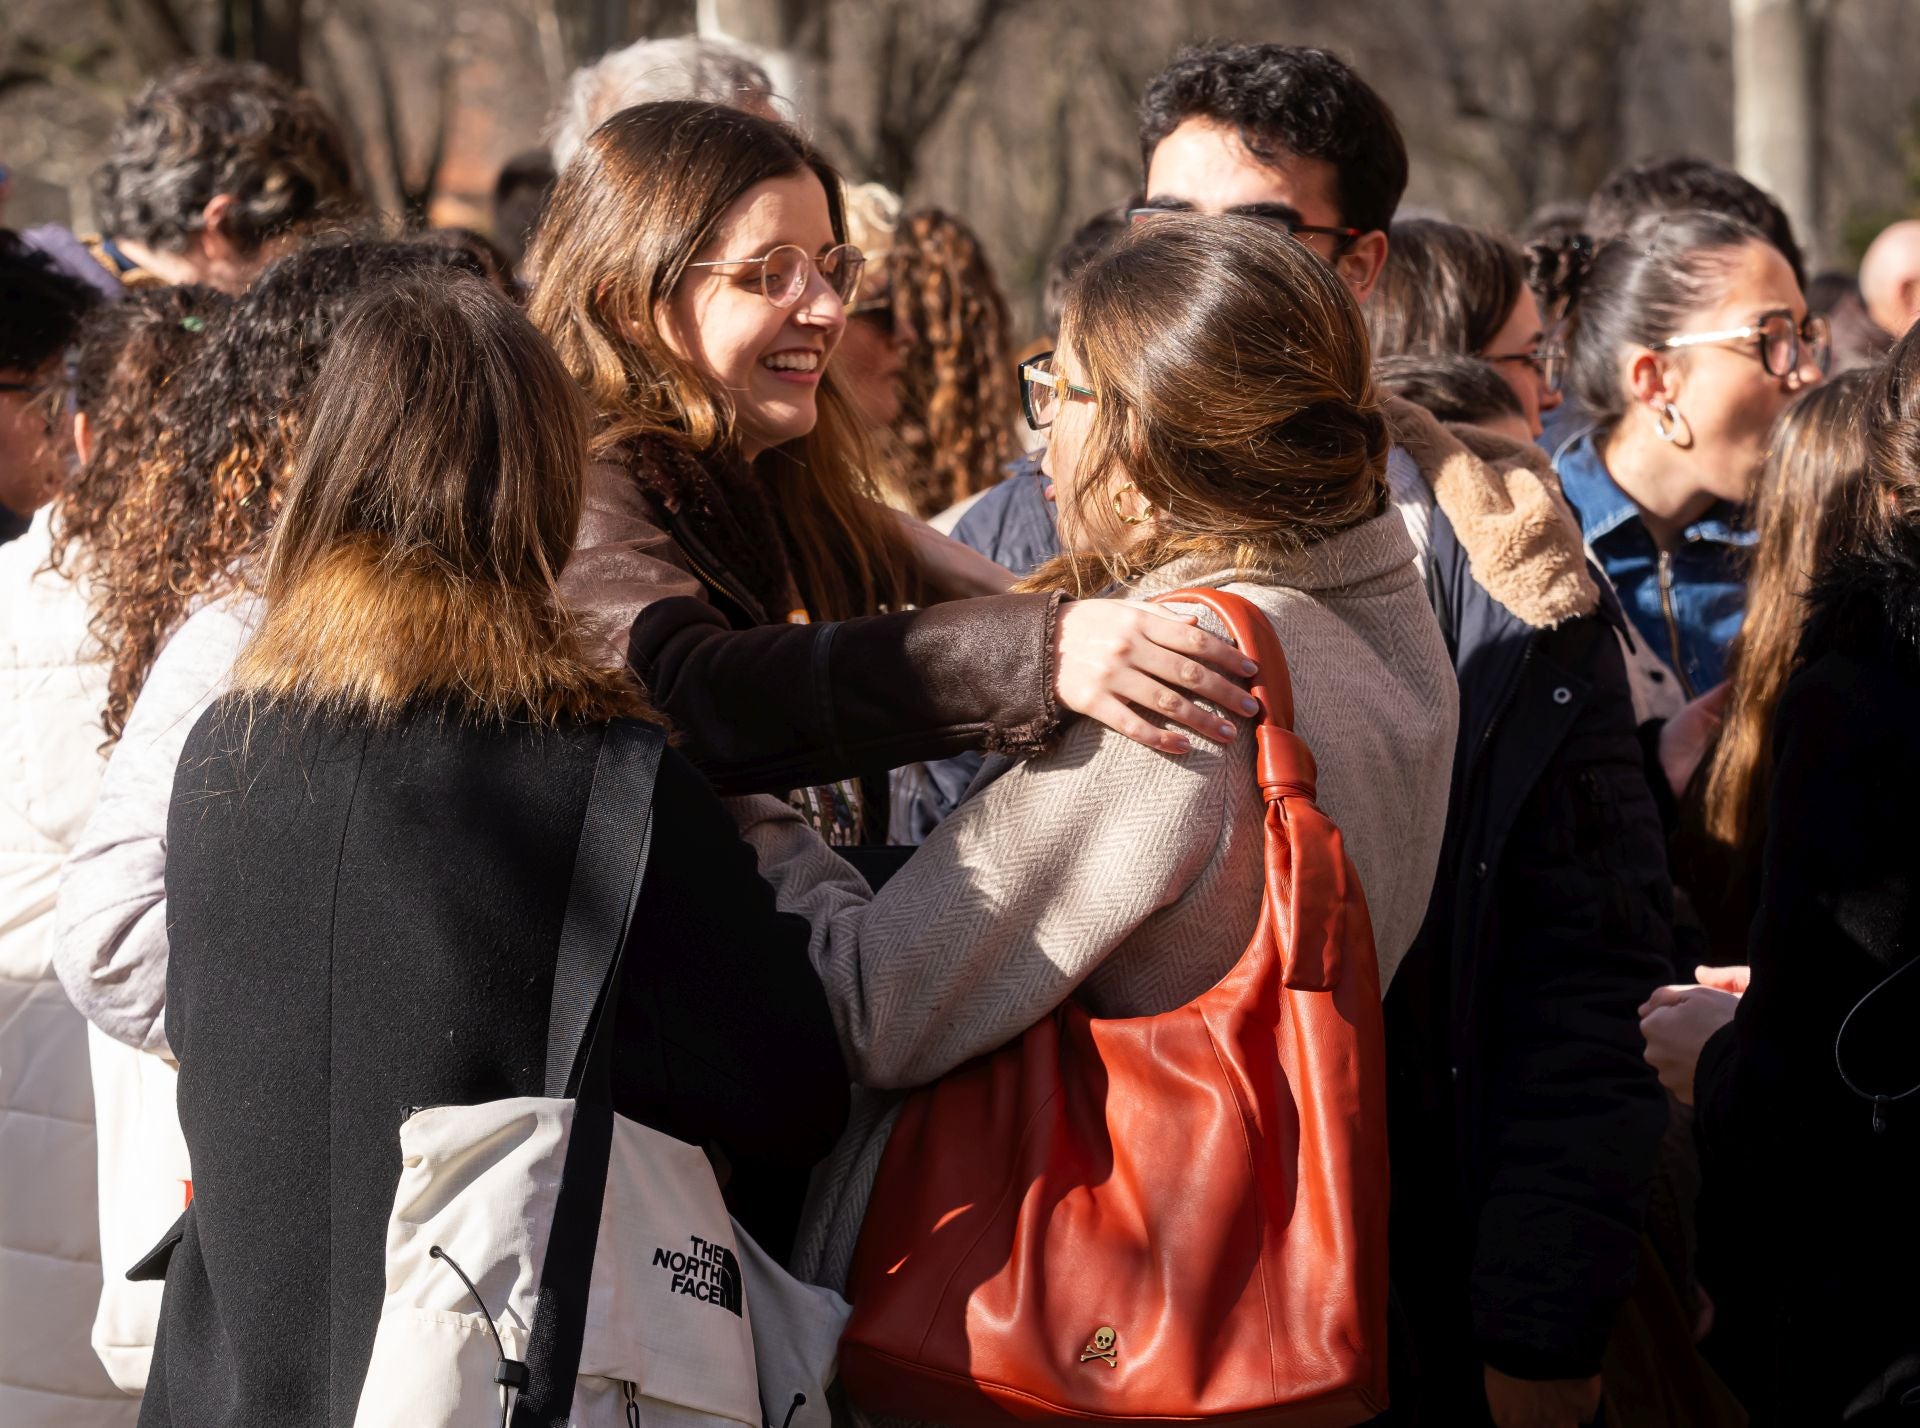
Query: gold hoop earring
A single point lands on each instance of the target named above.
(1139, 520)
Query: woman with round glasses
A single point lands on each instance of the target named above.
(1449, 290)
(694, 275)
(1688, 336)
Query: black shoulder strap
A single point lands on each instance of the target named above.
(607, 872)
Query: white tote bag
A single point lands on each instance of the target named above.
(552, 1263)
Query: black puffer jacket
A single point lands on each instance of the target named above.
(1809, 1241)
(1525, 1122)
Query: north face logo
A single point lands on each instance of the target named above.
(707, 1272)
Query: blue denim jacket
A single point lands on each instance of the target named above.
(1687, 606)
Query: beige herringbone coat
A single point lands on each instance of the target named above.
(1128, 878)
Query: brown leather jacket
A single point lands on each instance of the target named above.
(765, 706)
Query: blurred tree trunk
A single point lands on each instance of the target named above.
(921, 53)
(269, 31)
(411, 170)
(1778, 46)
(154, 30)
(593, 27)
(789, 34)
(1552, 95)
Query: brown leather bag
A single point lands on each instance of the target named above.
(1162, 1218)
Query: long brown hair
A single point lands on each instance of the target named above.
(197, 504)
(1810, 498)
(961, 402)
(635, 205)
(433, 503)
(1232, 385)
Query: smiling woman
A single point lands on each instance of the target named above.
(694, 275)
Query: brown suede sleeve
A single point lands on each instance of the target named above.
(787, 706)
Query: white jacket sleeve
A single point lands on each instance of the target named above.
(110, 931)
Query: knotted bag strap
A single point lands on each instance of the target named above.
(1307, 875)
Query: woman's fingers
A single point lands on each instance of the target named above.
(1125, 720)
(1664, 997)
(1733, 979)
(1151, 696)
(1177, 632)
(1131, 666)
(1186, 672)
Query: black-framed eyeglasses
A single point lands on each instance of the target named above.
(1345, 236)
(1042, 390)
(784, 270)
(1549, 363)
(1778, 338)
(33, 389)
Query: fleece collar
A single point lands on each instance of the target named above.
(1505, 505)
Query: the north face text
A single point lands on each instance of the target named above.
(707, 1272)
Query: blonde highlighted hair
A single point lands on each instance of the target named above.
(433, 503)
(646, 191)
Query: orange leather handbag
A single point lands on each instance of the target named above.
(1156, 1219)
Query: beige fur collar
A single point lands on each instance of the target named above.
(1504, 501)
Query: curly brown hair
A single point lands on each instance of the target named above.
(213, 127)
(124, 356)
(961, 402)
(196, 505)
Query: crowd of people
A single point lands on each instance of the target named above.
(332, 554)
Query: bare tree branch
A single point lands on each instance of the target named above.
(413, 193)
(919, 80)
(163, 38)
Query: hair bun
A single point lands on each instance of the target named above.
(1557, 268)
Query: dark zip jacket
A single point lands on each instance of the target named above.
(1525, 1122)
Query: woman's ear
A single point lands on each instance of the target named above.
(1653, 381)
(83, 438)
(1361, 265)
(216, 229)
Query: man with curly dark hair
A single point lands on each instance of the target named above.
(212, 171)
(1280, 132)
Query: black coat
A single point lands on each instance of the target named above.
(1810, 1242)
(1525, 1123)
(363, 921)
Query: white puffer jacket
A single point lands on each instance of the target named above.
(50, 767)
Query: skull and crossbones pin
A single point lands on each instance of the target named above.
(1102, 1347)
